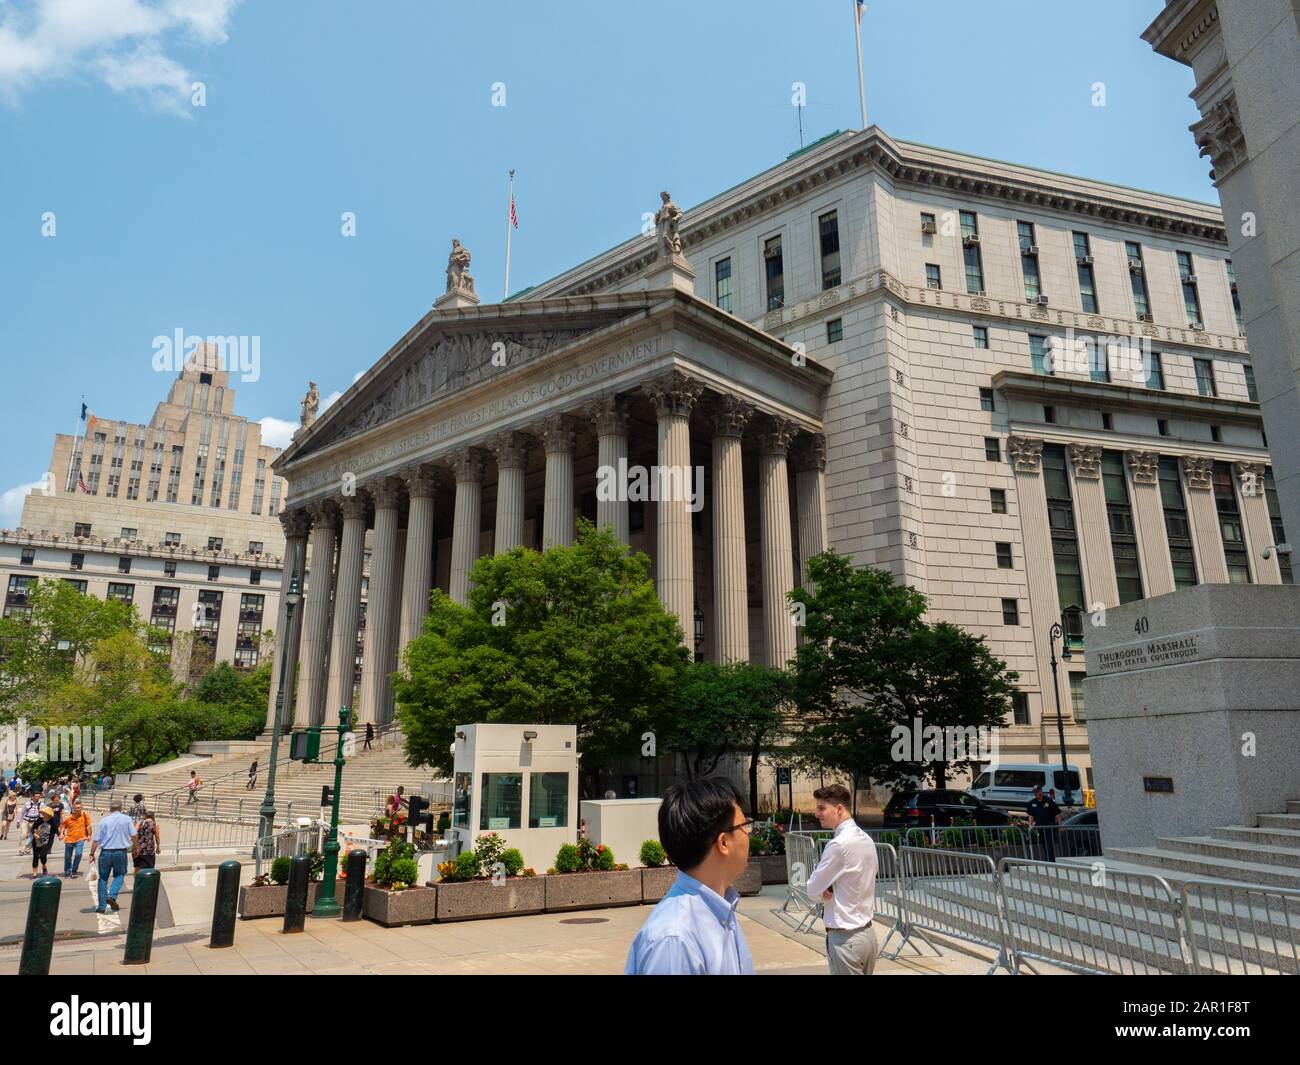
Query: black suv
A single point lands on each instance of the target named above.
(913, 809)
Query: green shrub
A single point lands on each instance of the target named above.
(892, 838)
(489, 847)
(316, 870)
(603, 859)
(1012, 836)
(405, 872)
(567, 859)
(468, 866)
(397, 850)
(513, 860)
(652, 853)
(280, 870)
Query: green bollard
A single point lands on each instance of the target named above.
(355, 893)
(227, 901)
(42, 917)
(295, 906)
(144, 907)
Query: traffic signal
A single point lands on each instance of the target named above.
(326, 795)
(418, 813)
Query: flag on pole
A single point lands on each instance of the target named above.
(862, 6)
(81, 483)
(514, 216)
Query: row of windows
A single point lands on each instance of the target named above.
(1085, 268)
(78, 562)
(171, 539)
(828, 243)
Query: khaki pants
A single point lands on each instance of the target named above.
(851, 953)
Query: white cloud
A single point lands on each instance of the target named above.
(118, 42)
(276, 432)
(11, 503)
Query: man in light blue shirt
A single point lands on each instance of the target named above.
(693, 930)
(113, 841)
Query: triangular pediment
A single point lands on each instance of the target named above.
(449, 351)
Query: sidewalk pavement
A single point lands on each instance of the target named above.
(592, 942)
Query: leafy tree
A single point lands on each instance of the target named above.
(721, 709)
(575, 635)
(871, 664)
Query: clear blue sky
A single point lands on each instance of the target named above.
(226, 219)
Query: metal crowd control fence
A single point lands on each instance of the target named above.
(194, 833)
(801, 855)
(1090, 919)
(954, 894)
(1011, 841)
(1241, 928)
(288, 843)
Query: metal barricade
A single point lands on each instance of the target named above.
(1089, 919)
(300, 839)
(198, 833)
(801, 856)
(954, 894)
(1241, 928)
(1010, 841)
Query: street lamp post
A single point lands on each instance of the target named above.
(1057, 632)
(292, 598)
(327, 905)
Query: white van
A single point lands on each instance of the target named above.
(1011, 786)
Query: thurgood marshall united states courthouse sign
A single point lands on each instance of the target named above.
(1165, 652)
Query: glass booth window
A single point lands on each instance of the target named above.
(548, 800)
(460, 804)
(502, 803)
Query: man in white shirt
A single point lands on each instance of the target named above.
(845, 880)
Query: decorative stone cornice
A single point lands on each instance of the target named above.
(1199, 471)
(1086, 460)
(295, 522)
(1219, 135)
(510, 450)
(730, 415)
(775, 436)
(673, 394)
(810, 453)
(1026, 455)
(387, 493)
(558, 434)
(421, 481)
(1144, 466)
(467, 465)
(607, 415)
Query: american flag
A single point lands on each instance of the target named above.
(81, 483)
(859, 9)
(514, 217)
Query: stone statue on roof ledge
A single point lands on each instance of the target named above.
(460, 285)
(310, 406)
(670, 268)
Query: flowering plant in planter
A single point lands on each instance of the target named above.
(396, 867)
(584, 857)
(489, 857)
(388, 826)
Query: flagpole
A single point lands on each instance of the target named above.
(68, 486)
(857, 32)
(509, 226)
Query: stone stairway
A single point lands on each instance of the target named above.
(1267, 854)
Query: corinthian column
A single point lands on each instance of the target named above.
(674, 395)
(296, 525)
(774, 538)
(379, 658)
(347, 607)
(468, 467)
(610, 421)
(316, 615)
(511, 451)
(810, 493)
(417, 570)
(730, 585)
(558, 438)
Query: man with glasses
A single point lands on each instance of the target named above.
(845, 880)
(693, 930)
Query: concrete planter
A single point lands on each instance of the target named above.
(414, 905)
(473, 899)
(269, 900)
(656, 880)
(750, 882)
(592, 891)
(771, 867)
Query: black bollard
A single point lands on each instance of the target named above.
(144, 907)
(42, 917)
(227, 901)
(354, 894)
(295, 906)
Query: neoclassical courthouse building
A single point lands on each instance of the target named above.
(860, 347)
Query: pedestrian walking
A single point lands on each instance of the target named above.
(30, 815)
(252, 776)
(370, 735)
(845, 881)
(693, 929)
(144, 848)
(137, 807)
(192, 786)
(8, 811)
(112, 840)
(42, 840)
(75, 832)
(1045, 815)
